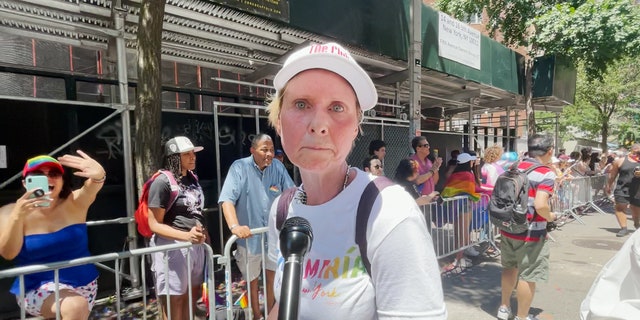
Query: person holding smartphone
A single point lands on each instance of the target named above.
(49, 225)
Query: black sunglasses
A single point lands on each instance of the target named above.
(426, 145)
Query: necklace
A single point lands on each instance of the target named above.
(302, 195)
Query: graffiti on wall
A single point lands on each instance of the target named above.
(111, 135)
(200, 132)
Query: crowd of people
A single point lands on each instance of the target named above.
(317, 110)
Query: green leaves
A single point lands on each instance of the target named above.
(593, 32)
(596, 33)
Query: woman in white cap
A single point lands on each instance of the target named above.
(179, 221)
(321, 93)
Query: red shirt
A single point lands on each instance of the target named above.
(541, 179)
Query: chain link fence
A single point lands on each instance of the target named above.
(396, 137)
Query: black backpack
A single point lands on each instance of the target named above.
(509, 200)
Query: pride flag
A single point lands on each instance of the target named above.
(460, 183)
(243, 301)
(205, 296)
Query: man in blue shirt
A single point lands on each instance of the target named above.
(251, 185)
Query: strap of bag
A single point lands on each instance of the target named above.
(369, 196)
(175, 188)
(282, 211)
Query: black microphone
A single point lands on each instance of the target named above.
(295, 241)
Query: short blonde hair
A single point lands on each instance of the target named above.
(493, 153)
(273, 108)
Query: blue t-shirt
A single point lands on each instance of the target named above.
(252, 191)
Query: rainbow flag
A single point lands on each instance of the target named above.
(243, 301)
(460, 183)
(205, 295)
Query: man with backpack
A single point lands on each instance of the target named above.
(525, 255)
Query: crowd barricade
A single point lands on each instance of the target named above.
(458, 223)
(455, 224)
(598, 193)
(232, 297)
(574, 196)
(117, 258)
(565, 200)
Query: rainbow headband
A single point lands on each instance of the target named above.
(35, 163)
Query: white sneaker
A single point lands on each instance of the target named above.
(472, 252)
(504, 313)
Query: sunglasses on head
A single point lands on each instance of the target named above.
(50, 174)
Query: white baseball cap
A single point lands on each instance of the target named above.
(465, 157)
(180, 144)
(332, 57)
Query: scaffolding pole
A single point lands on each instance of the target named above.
(121, 56)
(415, 68)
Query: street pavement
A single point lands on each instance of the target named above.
(577, 256)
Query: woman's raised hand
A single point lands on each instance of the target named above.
(86, 166)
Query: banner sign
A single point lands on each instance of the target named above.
(459, 42)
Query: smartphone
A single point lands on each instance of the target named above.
(38, 182)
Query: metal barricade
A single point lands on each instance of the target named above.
(20, 272)
(458, 223)
(563, 202)
(231, 305)
(598, 194)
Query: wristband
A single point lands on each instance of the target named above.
(101, 180)
(233, 227)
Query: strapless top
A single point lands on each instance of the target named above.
(70, 242)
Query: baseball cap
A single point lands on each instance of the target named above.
(465, 157)
(39, 162)
(180, 144)
(279, 152)
(332, 57)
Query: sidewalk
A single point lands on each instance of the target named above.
(577, 257)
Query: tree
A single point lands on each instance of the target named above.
(605, 107)
(148, 112)
(594, 33)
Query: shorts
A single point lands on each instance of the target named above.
(621, 199)
(531, 258)
(253, 261)
(34, 299)
(178, 269)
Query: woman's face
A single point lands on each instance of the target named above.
(188, 161)
(318, 119)
(423, 149)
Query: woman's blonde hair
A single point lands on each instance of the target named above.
(493, 153)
